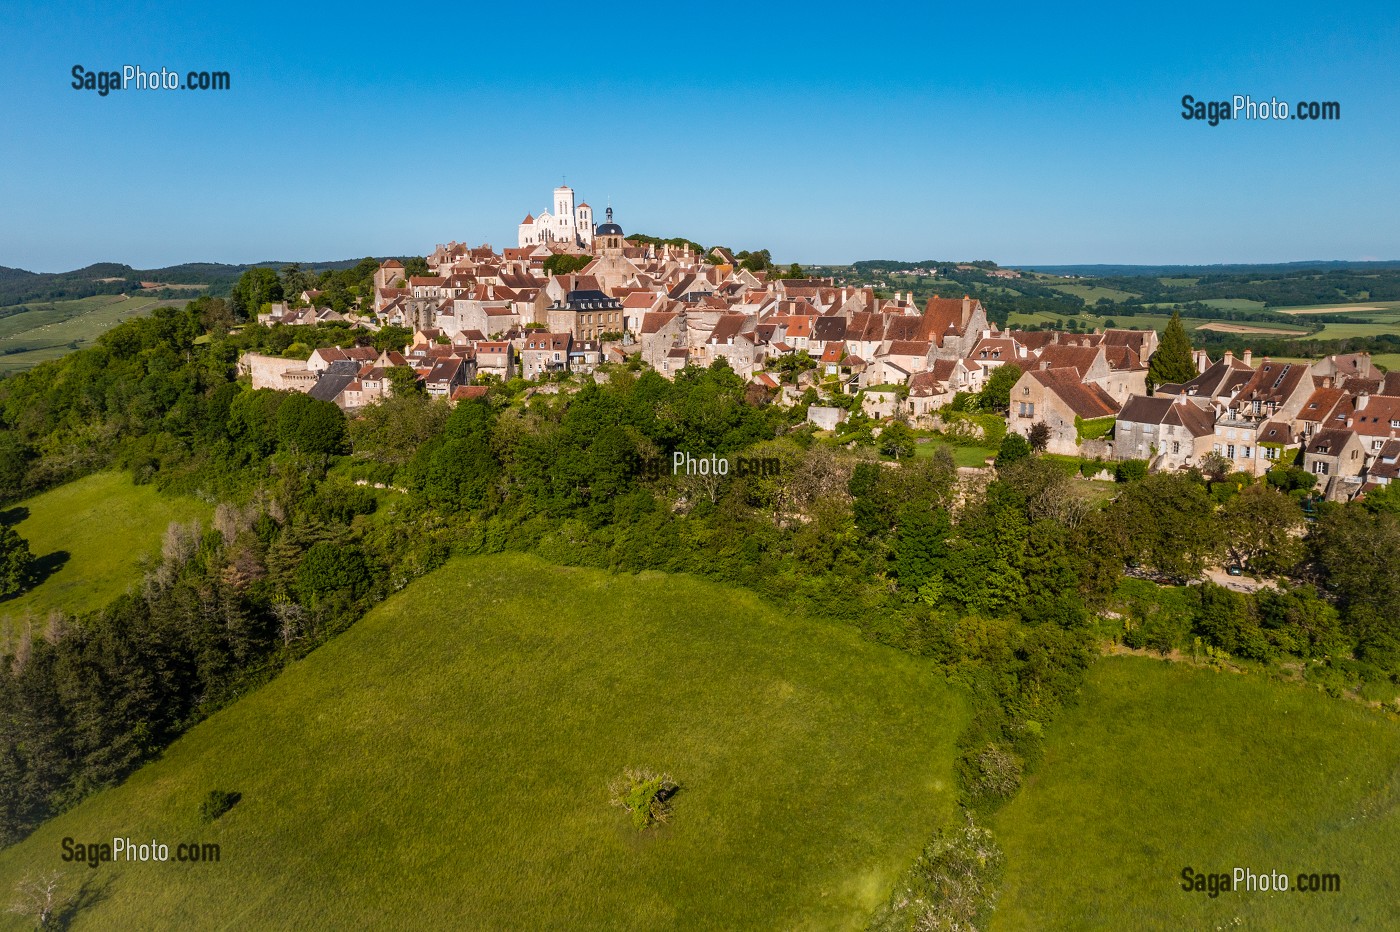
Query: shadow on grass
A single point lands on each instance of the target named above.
(89, 893)
(42, 568)
(9, 517)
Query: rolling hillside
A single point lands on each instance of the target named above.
(444, 764)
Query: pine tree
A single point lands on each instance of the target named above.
(1173, 361)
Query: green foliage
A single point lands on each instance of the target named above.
(1172, 362)
(16, 562)
(896, 440)
(217, 803)
(1014, 448)
(328, 567)
(563, 263)
(1168, 522)
(996, 394)
(255, 287)
(1094, 428)
(1130, 471)
(645, 795)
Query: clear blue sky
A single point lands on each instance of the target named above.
(825, 133)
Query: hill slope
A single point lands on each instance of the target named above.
(445, 763)
(90, 537)
(1164, 766)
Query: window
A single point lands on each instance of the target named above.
(1176, 446)
(1271, 453)
(1377, 444)
(1230, 451)
(1026, 390)
(1319, 468)
(1248, 453)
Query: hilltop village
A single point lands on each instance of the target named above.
(482, 316)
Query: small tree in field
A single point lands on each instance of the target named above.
(645, 795)
(39, 898)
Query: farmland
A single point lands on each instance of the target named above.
(48, 330)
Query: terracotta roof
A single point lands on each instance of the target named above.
(1085, 399)
(1168, 409)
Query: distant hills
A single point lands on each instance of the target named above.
(1191, 271)
(18, 286)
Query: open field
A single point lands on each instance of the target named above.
(445, 762)
(1092, 293)
(47, 329)
(1222, 327)
(1163, 766)
(90, 538)
(1391, 361)
(1359, 309)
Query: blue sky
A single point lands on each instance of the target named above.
(826, 133)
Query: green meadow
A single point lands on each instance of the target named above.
(445, 764)
(49, 329)
(1092, 293)
(91, 538)
(1164, 766)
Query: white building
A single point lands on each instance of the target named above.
(567, 224)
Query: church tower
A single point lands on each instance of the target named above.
(608, 238)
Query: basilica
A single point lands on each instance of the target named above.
(569, 226)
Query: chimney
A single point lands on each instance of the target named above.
(966, 310)
(1349, 422)
(1248, 355)
(1361, 401)
(1229, 356)
(1181, 399)
(1044, 364)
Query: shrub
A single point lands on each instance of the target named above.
(645, 795)
(1131, 471)
(217, 803)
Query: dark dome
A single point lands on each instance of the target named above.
(609, 229)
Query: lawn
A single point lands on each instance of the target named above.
(47, 329)
(445, 762)
(1163, 766)
(963, 454)
(90, 537)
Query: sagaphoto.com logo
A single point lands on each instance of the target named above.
(134, 77)
(1245, 107)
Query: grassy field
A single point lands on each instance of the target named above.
(1164, 766)
(1092, 293)
(1391, 361)
(47, 330)
(963, 454)
(93, 534)
(445, 764)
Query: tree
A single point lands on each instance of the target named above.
(996, 394)
(897, 440)
(1014, 448)
(1039, 436)
(1168, 522)
(1173, 361)
(563, 263)
(329, 567)
(253, 289)
(294, 280)
(16, 562)
(1259, 529)
(403, 380)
